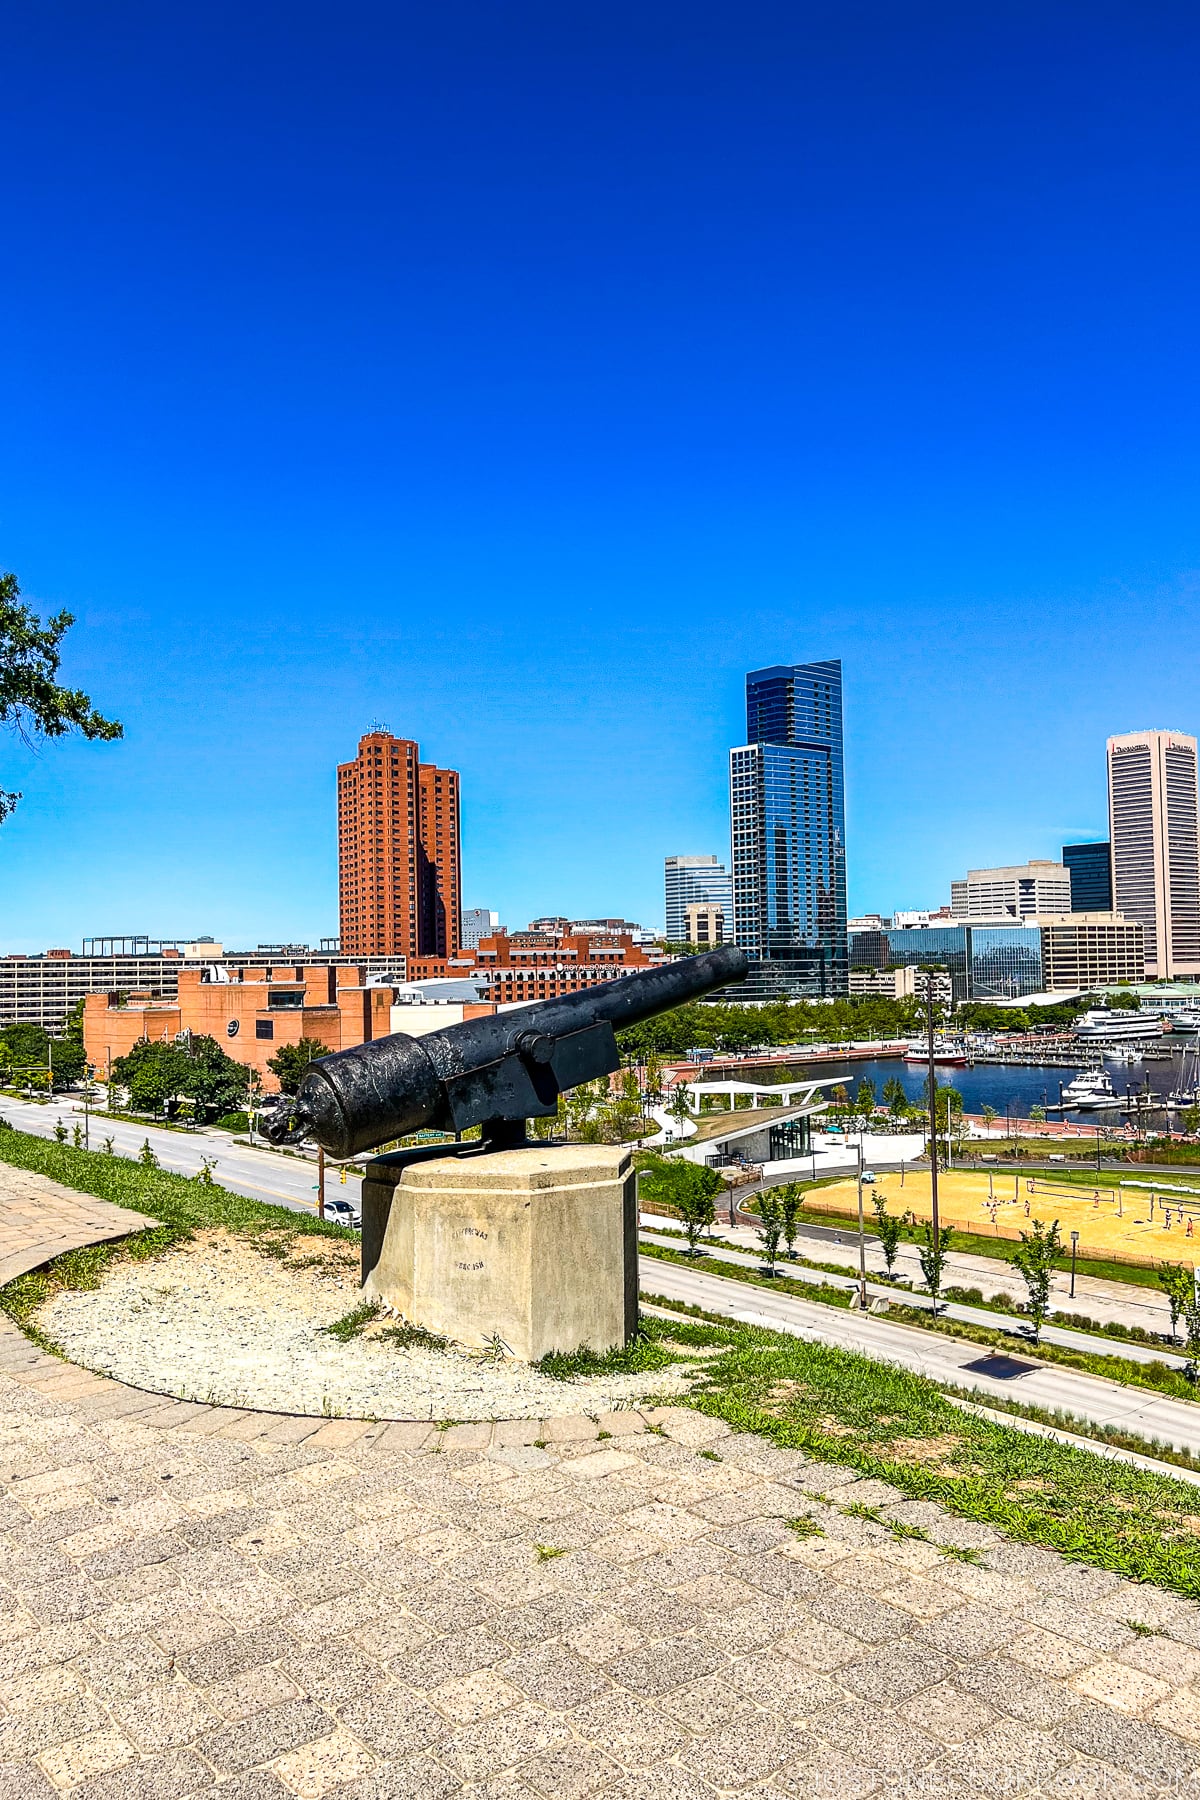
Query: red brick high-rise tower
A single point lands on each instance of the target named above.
(398, 852)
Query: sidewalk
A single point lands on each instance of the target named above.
(39, 1220)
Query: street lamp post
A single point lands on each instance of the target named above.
(862, 1238)
(1074, 1250)
(933, 1150)
(87, 1094)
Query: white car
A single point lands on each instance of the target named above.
(340, 1212)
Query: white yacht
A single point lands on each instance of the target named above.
(1090, 1089)
(1101, 1025)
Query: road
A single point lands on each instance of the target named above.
(951, 1309)
(943, 1360)
(259, 1174)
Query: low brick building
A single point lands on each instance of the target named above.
(252, 1011)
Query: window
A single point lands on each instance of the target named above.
(264, 1028)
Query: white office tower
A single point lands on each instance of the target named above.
(478, 922)
(1015, 892)
(1152, 809)
(690, 880)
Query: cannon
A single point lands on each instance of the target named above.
(495, 1072)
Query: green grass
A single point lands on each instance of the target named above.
(412, 1337)
(353, 1323)
(778, 1284)
(971, 1243)
(1159, 1377)
(180, 1204)
(898, 1427)
(643, 1355)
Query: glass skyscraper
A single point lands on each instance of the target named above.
(789, 833)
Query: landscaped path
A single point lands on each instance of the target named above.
(944, 1360)
(39, 1220)
(206, 1601)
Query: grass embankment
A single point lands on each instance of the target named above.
(898, 1427)
(833, 1404)
(1159, 1377)
(181, 1204)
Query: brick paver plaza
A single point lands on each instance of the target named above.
(197, 1600)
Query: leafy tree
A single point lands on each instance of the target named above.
(146, 1155)
(31, 702)
(60, 1132)
(888, 1229)
(790, 1198)
(152, 1074)
(1190, 1120)
(1178, 1284)
(932, 1253)
(1191, 1326)
(689, 1188)
(864, 1098)
(291, 1061)
(1034, 1260)
(988, 1114)
(24, 1052)
(680, 1108)
(1037, 1115)
(770, 1228)
(894, 1097)
(213, 1081)
(109, 1146)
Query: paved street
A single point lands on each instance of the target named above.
(750, 1257)
(942, 1359)
(260, 1174)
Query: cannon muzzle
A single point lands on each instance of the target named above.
(508, 1067)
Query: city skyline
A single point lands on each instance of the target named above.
(547, 375)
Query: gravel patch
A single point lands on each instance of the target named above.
(218, 1321)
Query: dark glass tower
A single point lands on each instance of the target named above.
(789, 833)
(1091, 876)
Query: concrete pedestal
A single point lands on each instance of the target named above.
(536, 1246)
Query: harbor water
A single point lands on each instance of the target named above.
(1014, 1090)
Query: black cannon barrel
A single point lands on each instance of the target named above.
(507, 1066)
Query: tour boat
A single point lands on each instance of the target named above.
(1101, 1024)
(943, 1054)
(1090, 1089)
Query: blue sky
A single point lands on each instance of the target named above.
(520, 376)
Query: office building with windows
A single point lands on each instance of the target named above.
(1153, 830)
(689, 880)
(985, 962)
(478, 922)
(1015, 892)
(399, 880)
(789, 833)
(705, 925)
(1090, 869)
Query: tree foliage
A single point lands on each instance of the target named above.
(156, 1076)
(32, 703)
(770, 1228)
(690, 1188)
(290, 1062)
(888, 1229)
(1034, 1259)
(931, 1253)
(1178, 1284)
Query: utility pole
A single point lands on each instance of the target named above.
(862, 1237)
(933, 1149)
